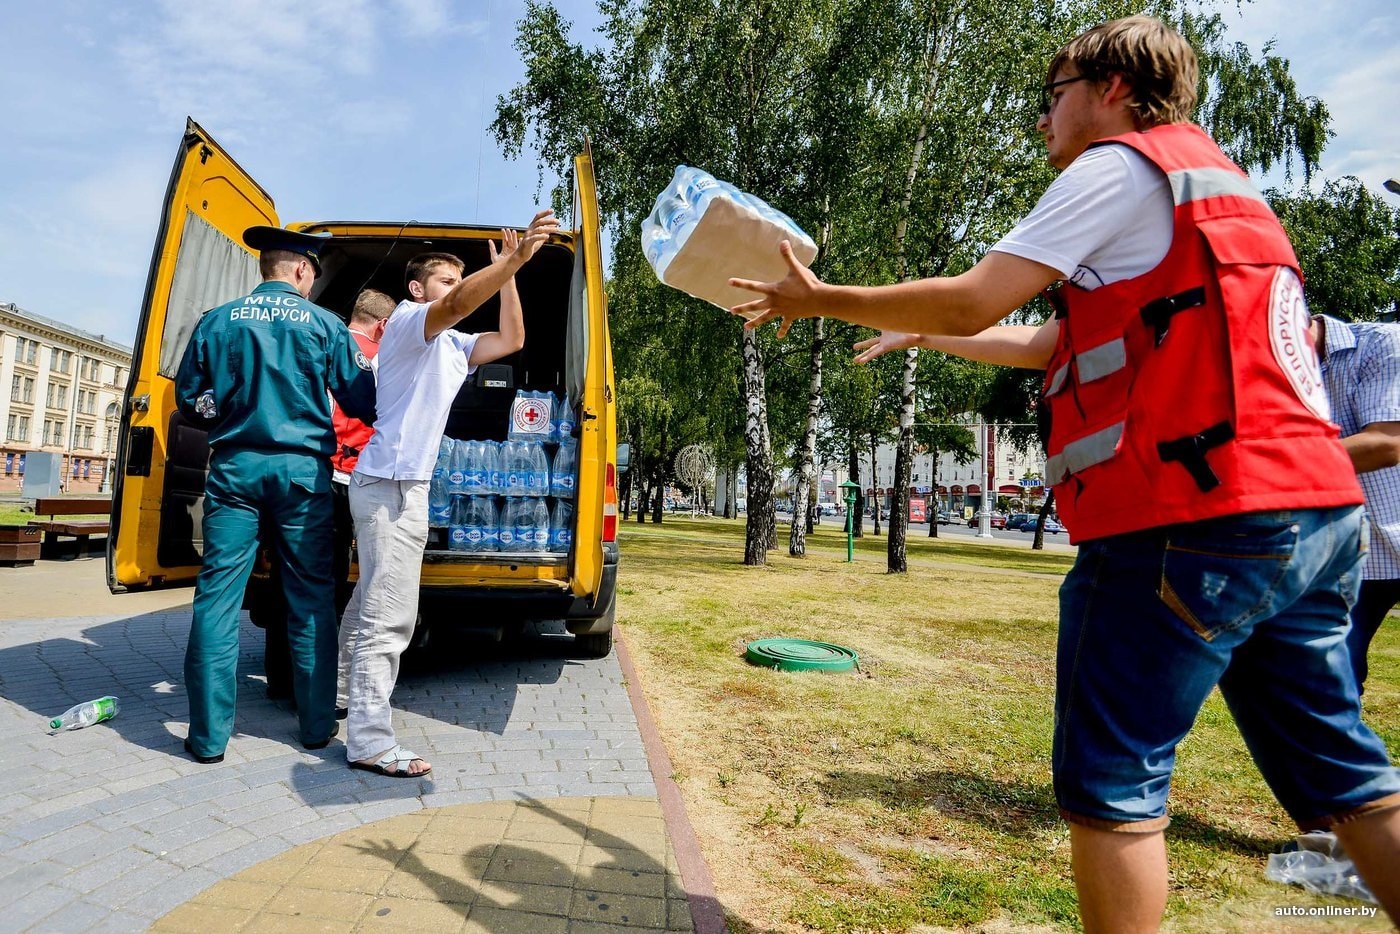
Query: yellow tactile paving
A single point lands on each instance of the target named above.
(564, 865)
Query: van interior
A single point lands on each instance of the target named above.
(351, 263)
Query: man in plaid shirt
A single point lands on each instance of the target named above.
(1361, 366)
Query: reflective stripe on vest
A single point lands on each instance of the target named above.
(1100, 361)
(1084, 453)
(1057, 381)
(1198, 184)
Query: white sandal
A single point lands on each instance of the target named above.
(394, 764)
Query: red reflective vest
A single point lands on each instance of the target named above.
(351, 434)
(1192, 391)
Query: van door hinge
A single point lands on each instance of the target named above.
(141, 403)
(607, 393)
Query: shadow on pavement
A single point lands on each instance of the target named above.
(140, 660)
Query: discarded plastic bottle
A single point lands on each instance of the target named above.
(75, 718)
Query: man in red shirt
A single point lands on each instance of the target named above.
(367, 320)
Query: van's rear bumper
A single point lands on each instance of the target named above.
(446, 603)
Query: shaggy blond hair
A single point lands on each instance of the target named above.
(1156, 62)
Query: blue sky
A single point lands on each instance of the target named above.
(377, 109)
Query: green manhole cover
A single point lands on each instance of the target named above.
(800, 655)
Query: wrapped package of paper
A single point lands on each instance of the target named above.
(704, 231)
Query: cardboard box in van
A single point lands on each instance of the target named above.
(200, 262)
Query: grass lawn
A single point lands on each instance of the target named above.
(15, 514)
(915, 793)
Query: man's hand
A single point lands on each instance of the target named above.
(795, 296)
(541, 228)
(873, 347)
(510, 242)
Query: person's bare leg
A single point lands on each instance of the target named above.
(1121, 879)
(1373, 843)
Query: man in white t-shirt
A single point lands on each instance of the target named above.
(1176, 275)
(422, 363)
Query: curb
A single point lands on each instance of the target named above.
(705, 909)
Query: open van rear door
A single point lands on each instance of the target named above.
(199, 261)
(589, 379)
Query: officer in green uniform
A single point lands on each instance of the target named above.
(255, 375)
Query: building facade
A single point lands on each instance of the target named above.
(61, 391)
(1009, 474)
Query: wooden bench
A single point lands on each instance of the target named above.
(55, 530)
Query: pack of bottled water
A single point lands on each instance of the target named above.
(531, 416)
(703, 230)
(524, 470)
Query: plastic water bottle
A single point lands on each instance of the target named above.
(512, 469)
(561, 527)
(537, 476)
(457, 468)
(439, 502)
(532, 526)
(491, 468)
(482, 528)
(444, 457)
(566, 423)
(457, 525)
(94, 711)
(562, 473)
(506, 530)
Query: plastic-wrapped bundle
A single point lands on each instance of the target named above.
(703, 230)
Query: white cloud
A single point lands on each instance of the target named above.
(426, 19)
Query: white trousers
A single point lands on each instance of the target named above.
(391, 531)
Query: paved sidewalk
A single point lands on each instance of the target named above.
(112, 827)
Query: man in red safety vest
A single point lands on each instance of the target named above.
(1217, 514)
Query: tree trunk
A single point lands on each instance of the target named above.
(853, 473)
(731, 502)
(875, 486)
(1038, 543)
(896, 553)
(658, 505)
(807, 477)
(933, 498)
(625, 494)
(759, 528)
(644, 502)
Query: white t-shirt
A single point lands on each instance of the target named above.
(417, 382)
(1106, 218)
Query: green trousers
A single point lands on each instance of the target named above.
(289, 497)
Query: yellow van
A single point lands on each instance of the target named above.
(200, 262)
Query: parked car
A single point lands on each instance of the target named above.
(1051, 525)
(997, 521)
(944, 517)
(1019, 519)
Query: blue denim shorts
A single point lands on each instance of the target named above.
(1257, 603)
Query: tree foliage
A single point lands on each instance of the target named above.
(1348, 246)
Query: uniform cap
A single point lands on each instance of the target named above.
(309, 245)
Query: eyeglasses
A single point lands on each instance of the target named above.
(1047, 89)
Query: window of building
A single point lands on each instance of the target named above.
(14, 387)
(59, 360)
(28, 394)
(26, 350)
(57, 396)
(17, 428)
